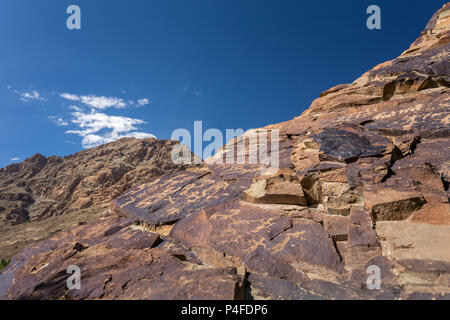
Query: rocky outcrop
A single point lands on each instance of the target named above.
(363, 182)
(42, 195)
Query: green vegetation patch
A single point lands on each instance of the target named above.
(4, 264)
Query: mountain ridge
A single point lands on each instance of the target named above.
(78, 186)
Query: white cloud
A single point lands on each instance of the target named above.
(33, 95)
(75, 108)
(102, 102)
(142, 102)
(15, 159)
(28, 96)
(197, 93)
(99, 128)
(97, 102)
(59, 121)
(70, 96)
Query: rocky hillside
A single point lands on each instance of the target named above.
(42, 195)
(363, 183)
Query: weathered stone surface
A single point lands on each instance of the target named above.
(122, 265)
(337, 227)
(420, 253)
(312, 188)
(361, 229)
(278, 189)
(278, 289)
(342, 204)
(172, 197)
(387, 203)
(350, 145)
(264, 240)
(390, 288)
(425, 168)
(363, 182)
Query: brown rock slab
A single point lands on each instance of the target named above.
(121, 265)
(361, 228)
(277, 289)
(172, 197)
(337, 227)
(419, 251)
(391, 203)
(278, 189)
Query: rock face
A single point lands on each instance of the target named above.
(41, 195)
(363, 183)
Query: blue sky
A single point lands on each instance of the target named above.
(149, 67)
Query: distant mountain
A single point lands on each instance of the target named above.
(42, 195)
